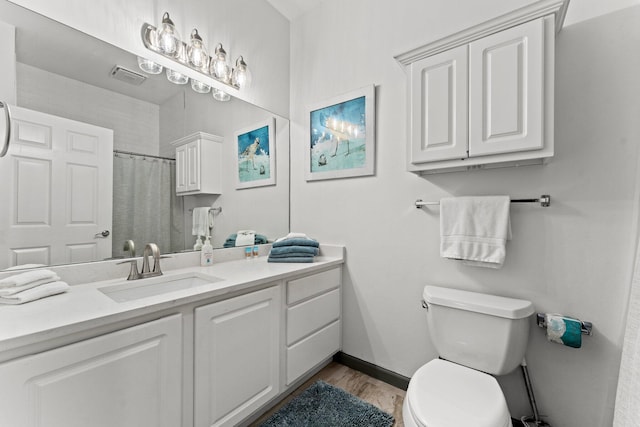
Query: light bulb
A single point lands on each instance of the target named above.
(148, 66)
(176, 77)
(200, 87)
(168, 38)
(241, 76)
(196, 52)
(220, 95)
(219, 67)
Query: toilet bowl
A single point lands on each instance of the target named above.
(445, 394)
(477, 336)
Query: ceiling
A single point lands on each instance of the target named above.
(291, 9)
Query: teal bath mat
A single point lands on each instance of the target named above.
(325, 405)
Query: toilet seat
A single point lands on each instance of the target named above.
(445, 394)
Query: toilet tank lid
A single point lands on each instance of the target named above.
(510, 308)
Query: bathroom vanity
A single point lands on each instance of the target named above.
(198, 346)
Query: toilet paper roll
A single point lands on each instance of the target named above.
(564, 330)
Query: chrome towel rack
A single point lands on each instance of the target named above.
(544, 200)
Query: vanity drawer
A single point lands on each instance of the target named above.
(311, 315)
(312, 350)
(305, 287)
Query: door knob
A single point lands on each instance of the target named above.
(102, 234)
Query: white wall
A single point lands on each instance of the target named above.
(251, 28)
(8, 65)
(574, 257)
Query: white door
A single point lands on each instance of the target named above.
(56, 191)
(128, 378)
(506, 91)
(439, 107)
(237, 363)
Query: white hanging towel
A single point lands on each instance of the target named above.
(202, 221)
(475, 229)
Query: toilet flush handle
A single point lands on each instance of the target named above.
(425, 305)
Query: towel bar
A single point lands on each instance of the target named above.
(215, 210)
(544, 200)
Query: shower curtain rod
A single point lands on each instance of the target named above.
(131, 153)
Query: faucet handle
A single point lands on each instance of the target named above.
(151, 249)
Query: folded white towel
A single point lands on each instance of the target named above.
(202, 222)
(23, 267)
(15, 289)
(27, 277)
(293, 236)
(38, 292)
(475, 229)
(245, 238)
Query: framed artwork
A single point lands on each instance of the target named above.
(341, 136)
(256, 155)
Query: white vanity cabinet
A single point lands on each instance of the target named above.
(313, 321)
(198, 163)
(131, 377)
(484, 97)
(237, 356)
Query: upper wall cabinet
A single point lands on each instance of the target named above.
(483, 97)
(198, 164)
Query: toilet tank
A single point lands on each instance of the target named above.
(484, 332)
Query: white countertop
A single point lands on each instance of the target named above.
(84, 306)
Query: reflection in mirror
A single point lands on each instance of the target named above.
(76, 97)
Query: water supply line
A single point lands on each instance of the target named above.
(534, 420)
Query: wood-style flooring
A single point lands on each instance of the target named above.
(378, 393)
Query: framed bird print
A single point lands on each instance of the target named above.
(255, 155)
(341, 136)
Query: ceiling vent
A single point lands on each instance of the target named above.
(125, 75)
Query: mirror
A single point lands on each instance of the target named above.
(68, 74)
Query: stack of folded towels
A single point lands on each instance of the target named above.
(294, 247)
(30, 286)
(259, 239)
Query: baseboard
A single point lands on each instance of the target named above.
(372, 370)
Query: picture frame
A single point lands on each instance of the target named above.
(341, 136)
(256, 155)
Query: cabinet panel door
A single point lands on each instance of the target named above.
(506, 88)
(193, 166)
(127, 378)
(237, 364)
(181, 169)
(439, 107)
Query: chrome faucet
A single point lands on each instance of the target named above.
(130, 247)
(151, 249)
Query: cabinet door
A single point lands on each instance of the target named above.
(193, 165)
(506, 88)
(439, 107)
(237, 363)
(127, 378)
(181, 169)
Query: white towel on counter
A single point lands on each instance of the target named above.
(15, 289)
(27, 277)
(475, 229)
(245, 238)
(202, 222)
(36, 293)
(293, 236)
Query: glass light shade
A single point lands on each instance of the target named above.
(220, 95)
(167, 37)
(200, 87)
(196, 52)
(148, 66)
(176, 77)
(241, 76)
(219, 67)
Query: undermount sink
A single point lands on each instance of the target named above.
(143, 288)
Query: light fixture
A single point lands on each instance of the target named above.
(165, 41)
(196, 52)
(148, 66)
(200, 87)
(240, 75)
(220, 95)
(219, 67)
(167, 37)
(176, 77)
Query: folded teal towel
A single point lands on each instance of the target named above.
(294, 255)
(285, 250)
(296, 242)
(231, 240)
(291, 259)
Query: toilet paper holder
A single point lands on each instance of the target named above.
(586, 328)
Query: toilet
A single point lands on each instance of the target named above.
(476, 336)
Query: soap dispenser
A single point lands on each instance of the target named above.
(206, 253)
(198, 245)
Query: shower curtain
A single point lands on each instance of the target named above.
(145, 207)
(627, 407)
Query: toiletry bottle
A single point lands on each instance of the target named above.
(206, 253)
(256, 251)
(198, 244)
(248, 253)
